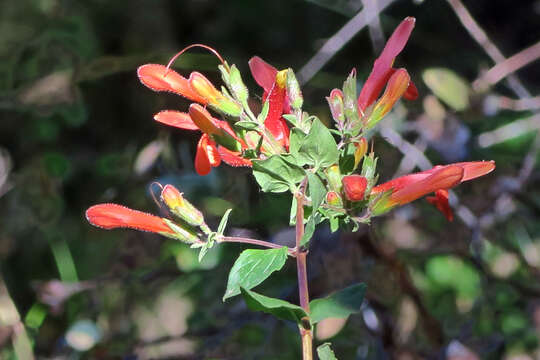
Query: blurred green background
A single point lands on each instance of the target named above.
(76, 129)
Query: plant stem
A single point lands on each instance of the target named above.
(301, 262)
(243, 240)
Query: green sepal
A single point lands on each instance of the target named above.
(350, 103)
(293, 91)
(246, 125)
(223, 222)
(264, 112)
(180, 233)
(237, 86)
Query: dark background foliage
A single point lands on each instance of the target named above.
(76, 129)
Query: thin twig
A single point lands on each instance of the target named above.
(337, 41)
(479, 35)
(508, 66)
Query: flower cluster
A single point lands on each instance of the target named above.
(220, 141)
(290, 150)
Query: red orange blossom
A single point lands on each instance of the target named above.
(219, 140)
(439, 180)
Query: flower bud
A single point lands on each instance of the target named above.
(205, 89)
(361, 150)
(180, 206)
(396, 87)
(354, 187)
(335, 101)
(293, 91)
(334, 178)
(333, 198)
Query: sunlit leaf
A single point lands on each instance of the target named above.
(253, 267)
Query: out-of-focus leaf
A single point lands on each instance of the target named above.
(279, 308)
(253, 267)
(147, 157)
(325, 352)
(339, 304)
(448, 86)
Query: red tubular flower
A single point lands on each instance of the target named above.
(274, 85)
(438, 179)
(382, 68)
(395, 89)
(204, 121)
(111, 216)
(354, 187)
(159, 78)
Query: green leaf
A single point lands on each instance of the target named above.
(325, 352)
(279, 308)
(448, 86)
(252, 267)
(223, 222)
(317, 190)
(246, 125)
(346, 161)
(309, 229)
(339, 304)
(319, 147)
(296, 140)
(276, 174)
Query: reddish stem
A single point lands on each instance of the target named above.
(301, 266)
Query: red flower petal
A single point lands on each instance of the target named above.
(233, 158)
(159, 78)
(263, 73)
(207, 155)
(110, 216)
(412, 92)
(382, 67)
(177, 119)
(274, 122)
(440, 201)
(444, 178)
(202, 118)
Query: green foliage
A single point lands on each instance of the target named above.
(252, 267)
(279, 308)
(318, 149)
(339, 304)
(277, 174)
